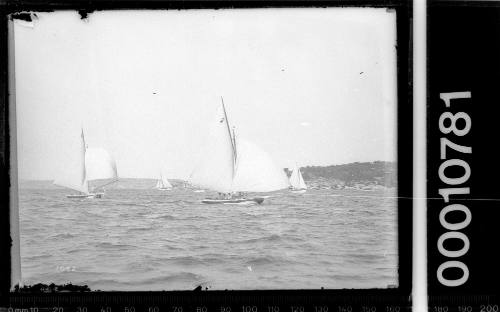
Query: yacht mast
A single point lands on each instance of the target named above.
(231, 135)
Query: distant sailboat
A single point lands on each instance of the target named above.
(162, 184)
(233, 166)
(297, 183)
(88, 165)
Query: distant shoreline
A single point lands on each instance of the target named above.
(306, 168)
(358, 175)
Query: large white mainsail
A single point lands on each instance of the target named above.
(256, 171)
(232, 165)
(100, 167)
(74, 176)
(216, 169)
(296, 179)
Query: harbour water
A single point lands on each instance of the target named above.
(140, 238)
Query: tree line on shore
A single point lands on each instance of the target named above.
(377, 172)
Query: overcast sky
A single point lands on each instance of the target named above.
(312, 86)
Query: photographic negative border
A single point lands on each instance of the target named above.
(342, 300)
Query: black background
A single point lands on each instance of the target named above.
(463, 54)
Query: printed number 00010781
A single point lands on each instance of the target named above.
(448, 125)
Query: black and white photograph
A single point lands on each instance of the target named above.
(238, 149)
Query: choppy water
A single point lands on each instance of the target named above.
(144, 239)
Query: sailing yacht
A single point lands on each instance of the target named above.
(162, 184)
(89, 170)
(297, 184)
(233, 166)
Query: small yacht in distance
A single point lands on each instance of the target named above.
(162, 184)
(297, 184)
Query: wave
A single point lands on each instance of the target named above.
(179, 203)
(185, 260)
(270, 238)
(113, 246)
(173, 277)
(269, 260)
(72, 251)
(177, 277)
(36, 257)
(261, 261)
(132, 205)
(294, 237)
(63, 235)
(139, 229)
(194, 260)
(172, 247)
(363, 258)
(166, 217)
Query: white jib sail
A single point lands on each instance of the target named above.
(302, 183)
(100, 165)
(216, 168)
(296, 179)
(73, 162)
(256, 171)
